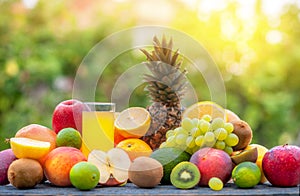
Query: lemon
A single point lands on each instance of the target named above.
(133, 122)
(84, 175)
(29, 148)
(246, 175)
(69, 137)
(198, 110)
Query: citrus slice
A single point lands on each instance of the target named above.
(198, 110)
(29, 148)
(133, 122)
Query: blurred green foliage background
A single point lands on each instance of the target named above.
(256, 45)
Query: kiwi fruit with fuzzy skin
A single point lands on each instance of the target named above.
(185, 175)
(145, 172)
(244, 132)
(25, 173)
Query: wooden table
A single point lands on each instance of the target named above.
(130, 189)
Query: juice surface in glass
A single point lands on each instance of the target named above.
(97, 131)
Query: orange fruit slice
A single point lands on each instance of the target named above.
(135, 148)
(133, 122)
(29, 148)
(198, 110)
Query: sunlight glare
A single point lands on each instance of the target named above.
(246, 9)
(274, 37)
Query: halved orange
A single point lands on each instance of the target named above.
(198, 110)
(29, 148)
(133, 122)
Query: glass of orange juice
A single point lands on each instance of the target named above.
(98, 127)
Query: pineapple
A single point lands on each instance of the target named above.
(165, 86)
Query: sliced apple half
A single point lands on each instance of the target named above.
(113, 166)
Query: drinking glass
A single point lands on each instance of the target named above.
(98, 127)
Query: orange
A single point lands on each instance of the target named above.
(133, 122)
(28, 148)
(198, 110)
(135, 148)
(261, 151)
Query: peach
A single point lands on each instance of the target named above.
(59, 162)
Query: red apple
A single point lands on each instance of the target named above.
(59, 162)
(113, 166)
(68, 114)
(281, 165)
(6, 158)
(212, 163)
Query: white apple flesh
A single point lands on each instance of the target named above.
(113, 166)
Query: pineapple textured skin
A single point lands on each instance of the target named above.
(165, 85)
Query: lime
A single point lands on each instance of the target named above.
(246, 175)
(84, 175)
(69, 137)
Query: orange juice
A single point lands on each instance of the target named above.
(97, 131)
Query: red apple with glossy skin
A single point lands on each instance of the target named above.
(212, 163)
(281, 165)
(6, 158)
(58, 164)
(68, 114)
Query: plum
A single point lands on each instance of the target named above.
(6, 158)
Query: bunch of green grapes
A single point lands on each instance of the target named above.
(194, 134)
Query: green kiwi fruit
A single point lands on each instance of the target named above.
(25, 173)
(185, 175)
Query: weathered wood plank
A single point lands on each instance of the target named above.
(130, 189)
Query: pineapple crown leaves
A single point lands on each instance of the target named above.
(167, 83)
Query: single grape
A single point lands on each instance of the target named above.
(195, 132)
(220, 145)
(215, 184)
(228, 127)
(220, 134)
(206, 117)
(217, 123)
(181, 138)
(187, 124)
(204, 127)
(179, 130)
(199, 140)
(209, 137)
(169, 133)
(228, 150)
(171, 140)
(195, 122)
(190, 142)
(232, 139)
(209, 143)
